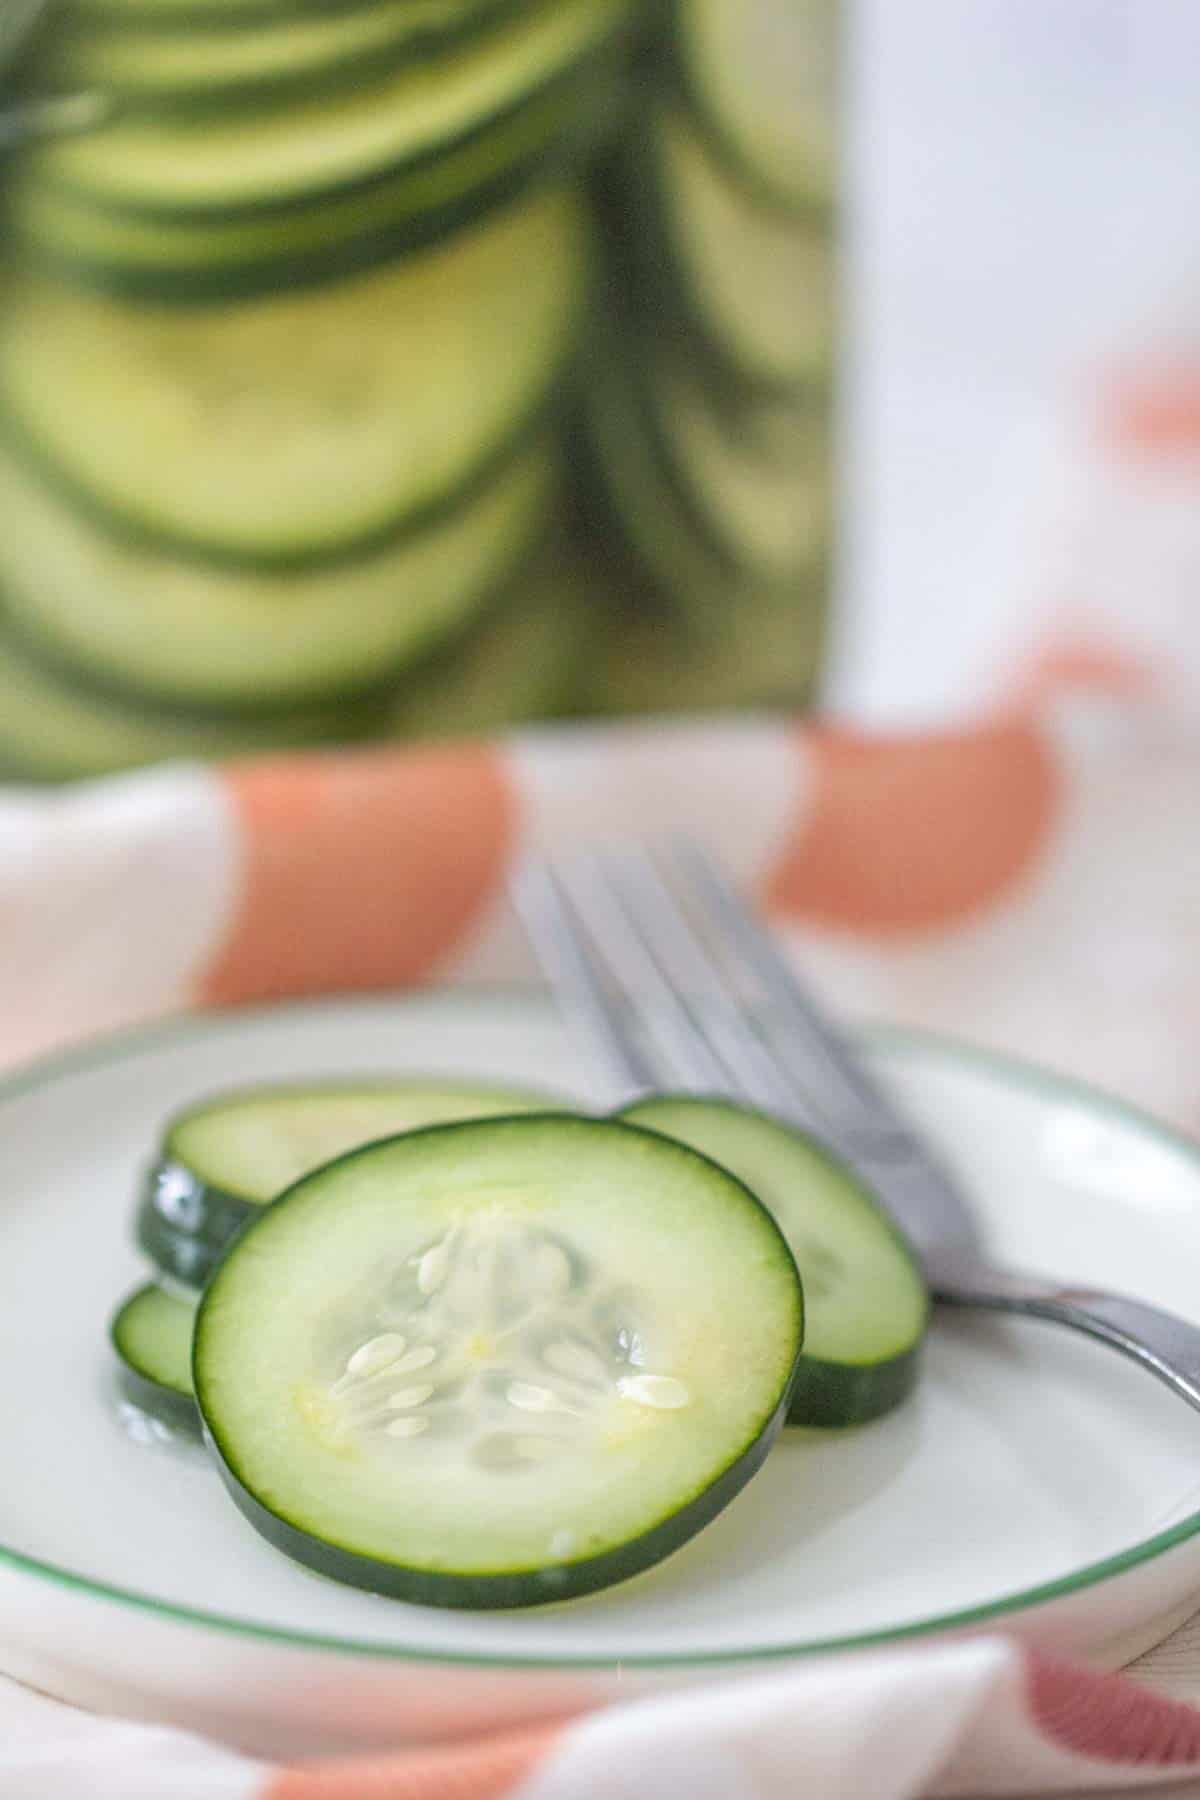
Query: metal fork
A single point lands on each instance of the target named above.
(673, 982)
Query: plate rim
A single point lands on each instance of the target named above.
(100, 1049)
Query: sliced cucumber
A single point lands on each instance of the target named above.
(866, 1305)
(319, 148)
(761, 75)
(222, 1160)
(305, 428)
(761, 286)
(498, 1363)
(159, 65)
(144, 624)
(769, 517)
(623, 471)
(51, 730)
(188, 263)
(764, 650)
(711, 526)
(518, 662)
(152, 1336)
(220, 15)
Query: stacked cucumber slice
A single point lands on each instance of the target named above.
(396, 367)
(453, 1346)
(704, 430)
(283, 351)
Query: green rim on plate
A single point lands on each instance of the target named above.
(116, 1046)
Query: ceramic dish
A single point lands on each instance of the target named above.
(1037, 1483)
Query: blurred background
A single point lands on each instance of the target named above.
(402, 368)
(1021, 231)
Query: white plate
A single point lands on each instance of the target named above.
(1037, 1480)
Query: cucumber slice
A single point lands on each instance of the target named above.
(760, 285)
(624, 477)
(220, 15)
(764, 650)
(516, 1359)
(161, 65)
(188, 263)
(519, 662)
(152, 1336)
(708, 525)
(768, 517)
(143, 624)
(866, 1304)
(223, 1159)
(53, 731)
(318, 148)
(762, 81)
(306, 428)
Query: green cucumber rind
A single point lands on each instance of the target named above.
(661, 287)
(55, 725)
(64, 658)
(828, 1393)
(171, 1405)
(176, 1411)
(520, 1588)
(107, 516)
(818, 207)
(518, 660)
(598, 54)
(411, 44)
(110, 517)
(185, 1224)
(534, 1587)
(588, 112)
(836, 1396)
(178, 1255)
(817, 202)
(193, 15)
(501, 1096)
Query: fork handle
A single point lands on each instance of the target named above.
(1160, 1341)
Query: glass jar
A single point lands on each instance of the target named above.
(407, 367)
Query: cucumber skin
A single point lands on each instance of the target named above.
(817, 207)
(222, 99)
(208, 18)
(183, 1225)
(532, 1587)
(178, 1412)
(167, 1404)
(837, 1396)
(596, 58)
(186, 1259)
(354, 253)
(633, 179)
(113, 520)
(832, 1395)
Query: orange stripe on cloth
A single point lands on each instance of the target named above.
(484, 1771)
(909, 834)
(1077, 663)
(360, 869)
(1153, 411)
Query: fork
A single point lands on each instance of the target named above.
(671, 980)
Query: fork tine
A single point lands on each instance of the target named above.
(853, 1102)
(715, 1008)
(561, 949)
(686, 1059)
(779, 981)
